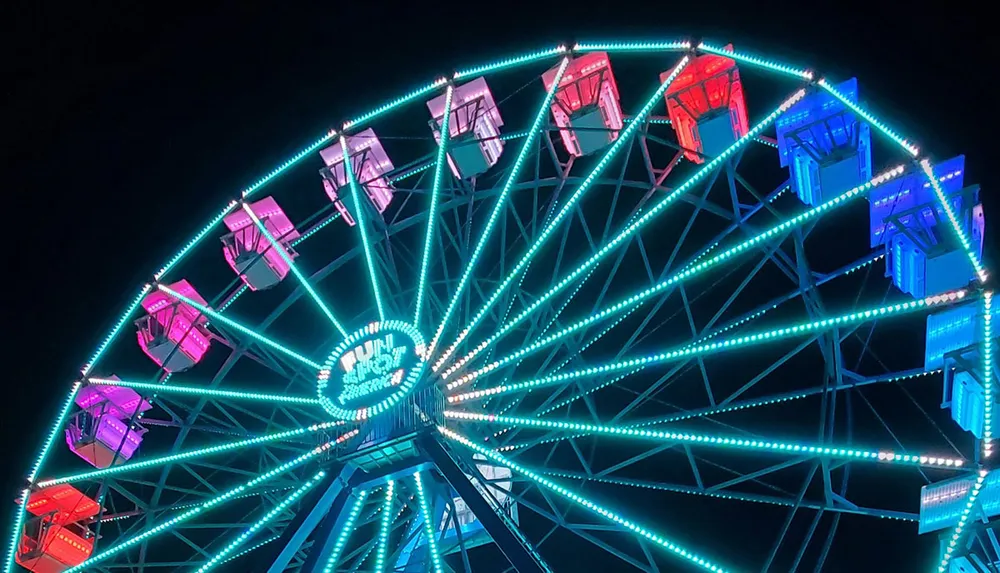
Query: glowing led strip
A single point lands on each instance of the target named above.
(362, 230)
(962, 521)
(429, 532)
(510, 62)
(235, 544)
(345, 532)
(765, 63)
(871, 119)
(238, 327)
(632, 46)
(987, 374)
(439, 168)
(587, 504)
(295, 271)
(207, 392)
(956, 225)
(383, 530)
(687, 351)
(706, 440)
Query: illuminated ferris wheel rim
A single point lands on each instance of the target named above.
(350, 126)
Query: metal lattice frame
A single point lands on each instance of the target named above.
(537, 336)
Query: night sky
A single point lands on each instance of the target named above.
(120, 120)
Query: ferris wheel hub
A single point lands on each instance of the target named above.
(372, 370)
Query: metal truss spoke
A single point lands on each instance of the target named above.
(498, 207)
(623, 141)
(239, 327)
(206, 392)
(295, 271)
(709, 348)
(716, 441)
(683, 275)
(439, 170)
(589, 505)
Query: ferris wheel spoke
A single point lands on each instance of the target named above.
(633, 227)
(238, 327)
(744, 341)
(439, 170)
(587, 504)
(204, 392)
(686, 273)
(498, 207)
(345, 531)
(197, 510)
(196, 453)
(758, 445)
(295, 270)
(222, 555)
(623, 141)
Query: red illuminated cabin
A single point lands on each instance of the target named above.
(586, 107)
(706, 106)
(57, 537)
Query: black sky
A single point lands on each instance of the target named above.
(120, 118)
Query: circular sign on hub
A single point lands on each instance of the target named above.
(372, 370)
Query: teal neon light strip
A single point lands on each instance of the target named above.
(676, 278)
(220, 557)
(510, 62)
(702, 349)
(15, 540)
(498, 207)
(956, 225)
(200, 452)
(632, 228)
(315, 229)
(239, 327)
(206, 392)
(295, 270)
(765, 63)
(56, 430)
(383, 530)
(430, 533)
(962, 522)
(253, 547)
(115, 330)
(674, 46)
(624, 140)
(987, 374)
(713, 441)
(578, 499)
(362, 230)
(362, 119)
(871, 119)
(345, 532)
(218, 500)
(439, 169)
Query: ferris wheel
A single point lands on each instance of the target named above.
(562, 311)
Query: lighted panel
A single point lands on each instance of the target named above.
(586, 107)
(474, 128)
(826, 146)
(171, 324)
(250, 254)
(706, 106)
(369, 163)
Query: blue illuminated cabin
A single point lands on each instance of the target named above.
(942, 503)
(923, 255)
(827, 147)
(954, 337)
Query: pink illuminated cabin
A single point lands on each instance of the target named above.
(474, 128)
(57, 537)
(173, 333)
(586, 108)
(706, 106)
(101, 433)
(250, 253)
(369, 163)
